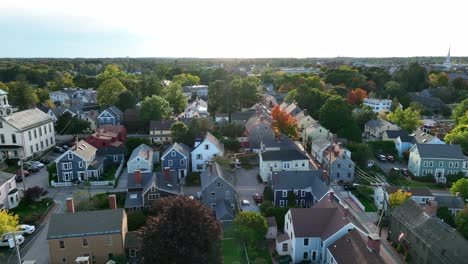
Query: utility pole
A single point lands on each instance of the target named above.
(16, 244)
(22, 174)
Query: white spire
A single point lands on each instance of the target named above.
(448, 62)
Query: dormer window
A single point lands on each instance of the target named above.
(70, 155)
(207, 147)
(173, 153)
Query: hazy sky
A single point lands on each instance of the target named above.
(235, 28)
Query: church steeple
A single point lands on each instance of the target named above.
(448, 62)
(5, 108)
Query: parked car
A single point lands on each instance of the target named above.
(26, 229)
(7, 241)
(65, 147)
(25, 172)
(37, 164)
(31, 168)
(370, 163)
(349, 187)
(45, 160)
(258, 198)
(245, 203)
(395, 169)
(406, 172)
(381, 157)
(390, 157)
(58, 149)
(18, 178)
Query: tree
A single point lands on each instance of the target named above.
(356, 96)
(186, 79)
(398, 197)
(460, 110)
(335, 114)
(181, 230)
(8, 222)
(4, 88)
(150, 85)
(126, 100)
(22, 95)
(250, 227)
(310, 98)
(108, 92)
(132, 143)
(283, 123)
(393, 89)
(177, 100)
(155, 108)
(32, 194)
(179, 132)
(246, 90)
(459, 135)
(461, 220)
(218, 101)
(407, 119)
(351, 131)
(68, 124)
(63, 80)
(363, 116)
(361, 153)
(111, 71)
(444, 213)
(413, 78)
(460, 186)
(459, 84)
(438, 79)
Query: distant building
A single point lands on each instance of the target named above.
(110, 116)
(282, 160)
(160, 131)
(375, 128)
(108, 136)
(378, 105)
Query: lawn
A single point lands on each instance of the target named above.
(31, 213)
(12, 169)
(233, 252)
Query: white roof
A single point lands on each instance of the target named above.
(27, 119)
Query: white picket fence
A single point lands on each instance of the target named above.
(61, 184)
(101, 183)
(363, 208)
(119, 169)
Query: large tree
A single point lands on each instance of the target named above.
(461, 220)
(398, 197)
(356, 96)
(438, 79)
(8, 222)
(363, 116)
(459, 135)
(248, 91)
(150, 85)
(460, 110)
(407, 119)
(108, 92)
(126, 101)
(335, 114)
(22, 95)
(412, 78)
(177, 100)
(181, 230)
(179, 132)
(111, 71)
(186, 79)
(250, 227)
(217, 97)
(4, 88)
(309, 98)
(155, 108)
(283, 123)
(71, 125)
(460, 186)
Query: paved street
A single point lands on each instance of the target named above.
(247, 185)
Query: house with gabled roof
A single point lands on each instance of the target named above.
(304, 120)
(439, 160)
(177, 158)
(204, 151)
(160, 131)
(110, 116)
(454, 204)
(375, 128)
(141, 159)
(290, 159)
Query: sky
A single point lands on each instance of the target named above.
(233, 29)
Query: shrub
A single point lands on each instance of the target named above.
(259, 179)
(32, 194)
(136, 220)
(268, 194)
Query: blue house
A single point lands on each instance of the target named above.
(308, 187)
(79, 163)
(110, 116)
(113, 156)
(176, 158)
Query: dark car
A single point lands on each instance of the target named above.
(59, 149)
(258, 198)
(26, 173)
(405, 172)
(31, 168)
(349, 187)
(45, 160)
(390, 157)
(18, 178)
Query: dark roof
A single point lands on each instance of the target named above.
(351, 248)
(450, 202)
(5, 176)
(317, 222)
(97, 163)
(433, 232)
(88, 223)
(147, 178)
(378, 123)
(242, 116)
(431, 102)
(161, 125)
(105, 151)
(284, 155)
(410, 139)
(440, 151)
(207, 178)
(415, 191)
(271, 221)
(168, 184)
(223, 210)
(283, 237)
(134, 199)
(131, 115)
(180, 147)
(116, 111)
(133, 240)
(287, 180)
(395, 133)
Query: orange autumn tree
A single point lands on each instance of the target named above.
(283, 123)
(356, 96)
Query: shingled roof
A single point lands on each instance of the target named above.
(352, 249)
(317, 222)
(440, 151)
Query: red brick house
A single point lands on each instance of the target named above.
(108, 136)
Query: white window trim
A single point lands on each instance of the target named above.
(285, 193)
(281, 203)
(116, 158)
(169, 163)
(173, 153)
(303, 193)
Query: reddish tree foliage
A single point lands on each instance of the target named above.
(356, 96)
(283, 123)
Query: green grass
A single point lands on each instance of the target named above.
(31, 213)
(12, 169)
(193, 179)
(233, 252)
(365, 200)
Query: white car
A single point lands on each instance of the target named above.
(245, 203)
(7, 241)
(26, 229)
(38, 164)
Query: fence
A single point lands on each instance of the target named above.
(119, 169)
(101, 183)
(356, 200)
(61, 184)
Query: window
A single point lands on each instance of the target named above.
(61, 244)
(337, 174)
(306, 241)
(199, 166)
(116, 158)
(339, 165)
(207, 147)
(35, 133)
(42, 144)
(424, 172)
(450, 164)
(228, 195)
(425, 164)
(132, 253)
(2, 138)
(80, 164)
(285, 193)
(67, 176)
(40, 132)
(152, 196)
(441, 164)
(302, 202)
(31, 148)
(152, 189)
(303, 164)
(285, 247)
(296, 192)
(218, 184)
(70, 155)
(30, 137)
(456, 164)
(431, 163)
(13, 138)
(50, 128)
(47, 142)
(199, 157)
(282, 203)
(424, 199)
(182, 162)
(109, 240)
(85, 242)
(173, 154)
(286, 165)
(303, 193)
(306, 255)
(66, 165)
(111, 256)
(212, 195)
(169, 163)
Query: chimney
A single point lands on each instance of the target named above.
(137, 175)
(211, 168)
(431, 208)
(70, 205)
(167, 174)
(345, 210)
(373, 242)
(112, 201)
(331, 196)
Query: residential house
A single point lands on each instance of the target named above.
(315, 132)
(427, 238)
(403, 144)
(304, 120)
(454, 204)
(108, 136)
(272, 232)
(110, 116)
(204, 151)
(92, 117)
(335, 158)
(375, 128)
(93, 236)
(292, 109)
(282, 160)
(196, 90)
(25, 133)
(113, 156)
(438, 160)
(308, 187)
(9, 195)
(308, 232)
(421, 195)
(241, 117)
(433, 103)
(141, 159)
(257, 130)
(355, 248)
(218, 192)
(79, 163)
(221, 118)
(197, 109)
(134, 247)
(73, 96)
(378, 105)
(160, 131)
(177, 158)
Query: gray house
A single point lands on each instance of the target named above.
(79, 163)
(177, 158)
(375, 128)
(110, 116)
(307, 186)
(454, 204)
(113, 156)
(339, 159)
(218, 192)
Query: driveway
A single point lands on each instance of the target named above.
(387, 165)
(246, 186)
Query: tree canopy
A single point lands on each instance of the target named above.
(108, 92)
(186, 79)
(8, 222)
(22, 95)
(398, 197)
(179, 132)
(460, 186)
(250, 227)
(68, 124)
(407, 119)
(460, 110)
(177, 100)
(126, 100)
(459, 135)
(461, 220)
(283, 123)
(335, 114)
(155, 108)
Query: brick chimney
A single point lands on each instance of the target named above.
(373, 242)
(70, 205)
(167, 174)
(331, 196)
(112, 201)
(137, 175)
(431, 208)
(345, 210)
